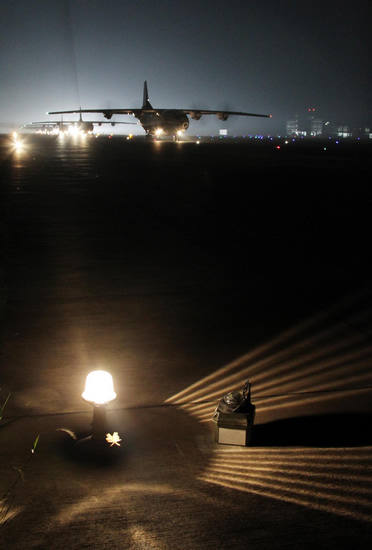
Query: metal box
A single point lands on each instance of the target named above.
(234, 428)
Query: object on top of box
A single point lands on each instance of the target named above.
(236, 402)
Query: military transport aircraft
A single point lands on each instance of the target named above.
(158, 122)
(84, 126)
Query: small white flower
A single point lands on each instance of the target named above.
(113, 439)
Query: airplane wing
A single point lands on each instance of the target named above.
(194, 113)
(106, 112)
(56, 122)
(45, 123)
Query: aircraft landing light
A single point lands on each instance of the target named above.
(17, 143)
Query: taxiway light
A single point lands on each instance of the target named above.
(99, 388)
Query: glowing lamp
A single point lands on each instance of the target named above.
(98, 391)
(99, 388)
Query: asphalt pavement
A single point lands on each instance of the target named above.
(184, 270)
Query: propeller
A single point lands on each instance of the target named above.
(204, 119)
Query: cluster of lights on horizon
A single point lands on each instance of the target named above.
(74, 130)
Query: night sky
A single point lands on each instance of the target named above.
(264, 56)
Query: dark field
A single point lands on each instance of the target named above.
(166, 263)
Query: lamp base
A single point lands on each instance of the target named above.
(96, 450)
(99, 424)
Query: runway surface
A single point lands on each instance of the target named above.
(185, 269)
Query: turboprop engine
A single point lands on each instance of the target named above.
(195, 115)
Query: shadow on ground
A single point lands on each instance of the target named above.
(328, 430)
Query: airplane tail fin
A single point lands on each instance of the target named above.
(146, 104)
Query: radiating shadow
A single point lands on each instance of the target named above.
(324, 361)
(333, 480)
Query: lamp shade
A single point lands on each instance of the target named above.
(99, 388)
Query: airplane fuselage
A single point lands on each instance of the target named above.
(165, 122)
(85, 126)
